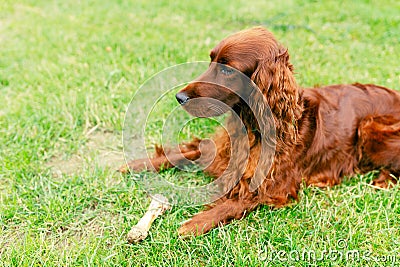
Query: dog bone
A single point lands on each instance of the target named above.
(159, 204)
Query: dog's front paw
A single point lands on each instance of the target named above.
(136, 166)
(195, 227)
(124, 169)
(190, 228)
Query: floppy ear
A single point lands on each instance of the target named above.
(267, 128)
(275, 74)
(263, 77)
(275, 79)
(285, 95)
(283, 81)
(263, 74)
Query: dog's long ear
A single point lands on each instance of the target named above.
(285, 94)
(275, 79)
(283, 83)
(263, 77)
(263, 74)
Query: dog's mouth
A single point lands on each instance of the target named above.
(204, 107)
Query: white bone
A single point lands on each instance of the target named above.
(159, 204)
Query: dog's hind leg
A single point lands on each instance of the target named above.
(386, 179)
(379, 148)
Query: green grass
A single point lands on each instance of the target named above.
(68, 70)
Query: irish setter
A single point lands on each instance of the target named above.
(322, 134)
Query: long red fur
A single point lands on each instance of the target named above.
(322, 134)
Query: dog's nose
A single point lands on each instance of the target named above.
(182, 98)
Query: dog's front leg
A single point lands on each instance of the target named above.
(220, 214)
(159, 162)
(184, 154)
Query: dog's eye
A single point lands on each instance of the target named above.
(226, 70)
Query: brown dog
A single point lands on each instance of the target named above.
(322, 134)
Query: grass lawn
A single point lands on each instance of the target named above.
(68, 70)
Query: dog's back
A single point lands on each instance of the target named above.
(334, 117)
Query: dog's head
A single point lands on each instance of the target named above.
(238, 63)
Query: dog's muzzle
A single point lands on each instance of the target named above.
(182, 98)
